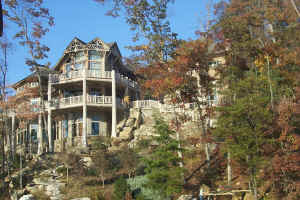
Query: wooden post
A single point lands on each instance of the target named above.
(40, 135)
(84, 109)
(114, 105)
(50, 118)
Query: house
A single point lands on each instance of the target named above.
(84, 95)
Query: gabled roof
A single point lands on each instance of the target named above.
(78, 45)
(43, 70)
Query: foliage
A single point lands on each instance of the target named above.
(148, 19)
(162, 166)
(105, 164)
(140, 191)
(121, 188)
(129, 159)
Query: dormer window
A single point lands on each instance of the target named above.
(95, 60)
(94, 55)
(79, 56)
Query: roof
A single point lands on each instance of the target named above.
(44, 72)
(78, 45)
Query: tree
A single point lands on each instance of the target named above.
(33, 21)
(244, 123)
(121, 189)
(129, 160)
(104, 164)
(149, 21)
(162, 166)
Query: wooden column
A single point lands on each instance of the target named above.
(40, 135)
(84, 110)
(13, 135)
(114, 105)
(50, 136)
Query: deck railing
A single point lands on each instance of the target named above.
(99, 99)
(126, 80)
(94, 74)
(67, 101)
(98, 74)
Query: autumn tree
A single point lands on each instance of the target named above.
(149, 21)
(33, 21)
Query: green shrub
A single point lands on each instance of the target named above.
(91, 172)
(62, 170)
(120, 189)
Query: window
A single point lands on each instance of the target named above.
(79, 56)
(65, 128)
(94, 55)
(34, 104)
(95, 125)
(95, 128)
(34, 84)
(33, 131)
(78, 66)
(68, 68)
(95, 65)
(94, 92)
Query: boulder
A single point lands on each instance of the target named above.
(185, 197)
(126, 133)
(87, 161)
(130, 122)
(249, 196)
(27, 197)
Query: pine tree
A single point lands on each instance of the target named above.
(162, 166)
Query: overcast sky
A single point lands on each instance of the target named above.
(87, 20)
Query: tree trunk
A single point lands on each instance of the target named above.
(67, 175)
(229, 173)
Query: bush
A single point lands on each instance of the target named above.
(62, 170)
(120, 189)
(91, 172)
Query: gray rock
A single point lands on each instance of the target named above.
(87, 161)
(185, 197)
(27, 197)
(130, 122)
(126, 133)
(83, 198)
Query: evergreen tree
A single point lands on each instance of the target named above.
(121, 188)
(162, 166)
(243, 124)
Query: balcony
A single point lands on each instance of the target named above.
(75, 101)
(67, 102)
(104, 100)
(75, 75)
(125, 80)
(79, 74)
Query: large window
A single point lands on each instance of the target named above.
(33, 131)
(34, 104)
(95, 125)
(78, 66)
(95, 60)
(95, 128)
(95, 65)
(79, 56)
(94, 55)
(65, 128)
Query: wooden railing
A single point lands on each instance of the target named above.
(95, 74)
(99, 99)
(126, 80)
(99, 74)
(67, 101)
(147, 104)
